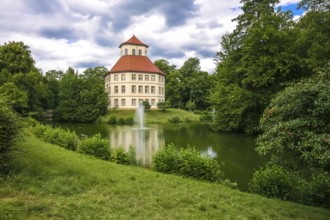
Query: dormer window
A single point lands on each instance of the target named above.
(126, 51)
(133, 51)
(140, 52)
(145, 52)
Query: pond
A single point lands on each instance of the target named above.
(235, 153)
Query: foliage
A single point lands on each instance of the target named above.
(296, 134)
(175, 120)
(186, 162)
(49, 182)
(121, 121)
(315, 191)
(14, 96)
(146, 105)
(16, 58)
(95, 146)
(9, 130)
(129, 121)
(118, 155)
(162, 106)
(257, 60)
(273, 182)
(61, 137)
(112, 120)
(296, 126)
(190, 105)
(82, 98)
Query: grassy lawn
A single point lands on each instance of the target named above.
(53, 183)
(153, 116)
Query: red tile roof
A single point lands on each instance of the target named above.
(132, 63)
(133, 40)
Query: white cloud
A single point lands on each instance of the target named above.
(63, 33)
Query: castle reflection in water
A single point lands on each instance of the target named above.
(146, 141)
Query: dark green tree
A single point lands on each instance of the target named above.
(15, 97)
(82, 98)
(164, 66)
(296, 134)
(16, 58)
(256, 61)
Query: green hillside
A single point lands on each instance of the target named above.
(52, 183)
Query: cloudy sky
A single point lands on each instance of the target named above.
(87, 33)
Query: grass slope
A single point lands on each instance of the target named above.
(53, 183)
(153, 116)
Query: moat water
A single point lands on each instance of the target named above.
(235, 153)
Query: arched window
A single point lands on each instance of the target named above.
(145, 52)
(133, 51)
(140, 52)
(126, 51)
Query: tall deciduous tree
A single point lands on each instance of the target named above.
(82, 98)
(256, 61)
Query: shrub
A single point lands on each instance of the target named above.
(9, 130)
(146, 105)
(174, 120)
(273, 182)
(162, 106)
(129, 121)
(95, 146)
(315, 191)
(121, 121)
(63, 138)
(186, 162)
(112, 120)
(118, 155)
(187, 119)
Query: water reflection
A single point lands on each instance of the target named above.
(146, 141)
(235, 153)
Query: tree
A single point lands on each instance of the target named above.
(256, 62)
(296, 134)
(15, 97)
(164, 66)
(9, 130)
(146, 105)
(190, 105)
(162, 106)
(312, 44)
(82, 98)
(16, 58)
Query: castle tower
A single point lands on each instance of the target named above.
(134, 78)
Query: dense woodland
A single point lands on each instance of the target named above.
(272, 78)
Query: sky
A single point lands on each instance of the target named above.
(87, 33)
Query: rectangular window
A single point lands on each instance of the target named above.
(140, 77)
(159, 78)
(159, 90)
(116, 77)
(123, 89)
(133, 102)
(140, 89)
(140, 101)
(152, 78)
(133, 77)
(123, 102)
(133, 89)
(146, 77)
(152, 90)
(116, 89)
(153, 102)
(146, 89)
(123, 77)
(162, 90)
(116, 102)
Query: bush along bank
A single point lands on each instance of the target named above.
(185, 162)
(94, 146)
